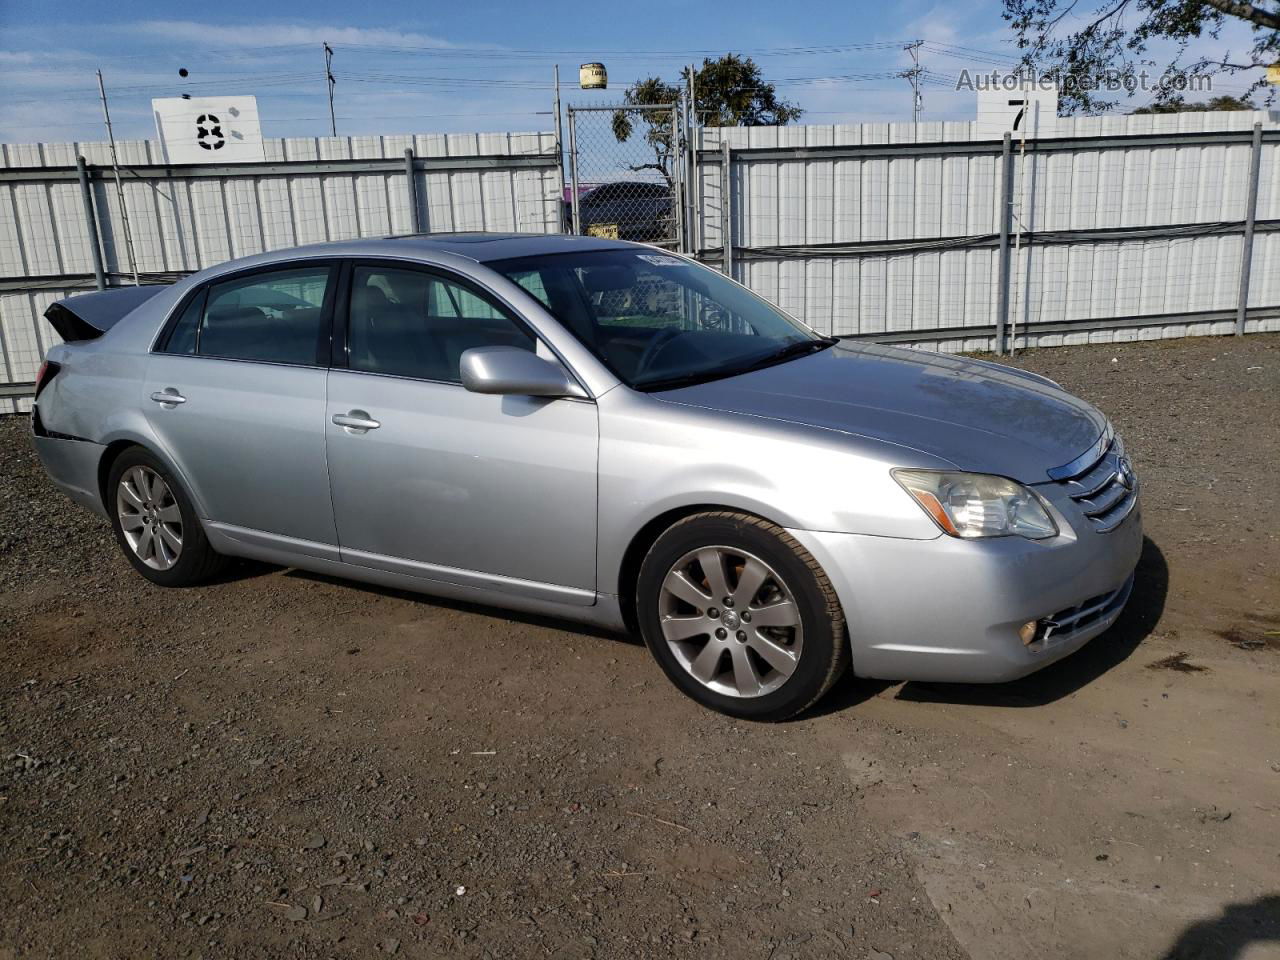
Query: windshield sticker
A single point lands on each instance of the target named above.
(660, 260)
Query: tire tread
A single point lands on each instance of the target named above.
(202, 561)
(839, 661)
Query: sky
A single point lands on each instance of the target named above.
(421, 67)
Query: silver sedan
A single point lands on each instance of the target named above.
(600, 431)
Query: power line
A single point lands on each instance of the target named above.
(393, 116)
(624, 54)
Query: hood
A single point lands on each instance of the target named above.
(979, 416)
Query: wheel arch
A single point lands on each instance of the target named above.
(647, 536)
(118, 445)
(109, 456)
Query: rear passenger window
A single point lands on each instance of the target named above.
(408, 323)
(275, 317)
(183, 337)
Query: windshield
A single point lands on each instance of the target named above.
(657, 320)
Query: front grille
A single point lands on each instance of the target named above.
(1104, 487)
(1068, 623)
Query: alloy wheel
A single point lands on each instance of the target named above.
(149, 516)
(731, 621)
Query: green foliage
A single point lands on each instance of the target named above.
(730, 92)
(1179, 105)
(1118, 36)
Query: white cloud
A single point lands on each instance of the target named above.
(210, 35)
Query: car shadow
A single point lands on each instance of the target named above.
(1061, 679)
(849, 691)
(241, 568)
(465, 606)
(1228, 935)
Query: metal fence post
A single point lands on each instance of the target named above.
(573, 171)
(91, 224)
(676, 160)
(559, 155)
(726, 207)
(411, 183)
(1250, 216)
(1006, 210)
(693, 132)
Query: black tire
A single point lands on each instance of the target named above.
(824, 655)
(196, 561)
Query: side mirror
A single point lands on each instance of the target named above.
(510, 370)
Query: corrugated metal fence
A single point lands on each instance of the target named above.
(1117, 228)
(1132, 227)
(183, 219)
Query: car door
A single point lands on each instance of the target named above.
(434, 481)
(235, 393)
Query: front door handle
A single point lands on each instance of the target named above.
(168, 396)
(356, 421)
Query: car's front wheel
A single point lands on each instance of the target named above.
(740, 616)
(155, 524)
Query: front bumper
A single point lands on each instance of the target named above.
(948, 610)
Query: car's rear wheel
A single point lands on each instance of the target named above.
(740, 616)
(155, 524)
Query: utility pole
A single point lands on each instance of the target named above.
(913, 77)
(560, 224)
(330, 82)
(115, 166)
(692, 140)
(1032, 115)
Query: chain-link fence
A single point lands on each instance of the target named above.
(625, 165)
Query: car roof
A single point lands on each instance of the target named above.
(638, 186)
(486, 247)
(425, 247)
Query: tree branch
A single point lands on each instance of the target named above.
(1092, 28)
(1247, 11)
(1227, 65)
(1062, 15)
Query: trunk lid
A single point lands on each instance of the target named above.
(90, 315)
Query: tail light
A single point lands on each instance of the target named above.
(48, 370)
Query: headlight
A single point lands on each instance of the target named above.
(972, 505)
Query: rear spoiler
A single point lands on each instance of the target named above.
(90, 315)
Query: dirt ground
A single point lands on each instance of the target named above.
(283, 765)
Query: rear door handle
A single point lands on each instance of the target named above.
(168, 395)
(356, 421)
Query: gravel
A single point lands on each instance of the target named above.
(281, 764)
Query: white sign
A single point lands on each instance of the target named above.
(1018, 108)
(209, 129)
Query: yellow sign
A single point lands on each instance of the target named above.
(1273, 73)
(609, 231)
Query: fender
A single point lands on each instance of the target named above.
(131, 426)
